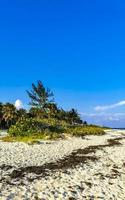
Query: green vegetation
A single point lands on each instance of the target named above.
(85, 130)
(40, 96)
(44, 120)
(31, 126)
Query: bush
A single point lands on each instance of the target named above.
(30, 126)
(85, 130)
(50, 129)
(23, 127)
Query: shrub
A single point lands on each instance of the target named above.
(50, 129)
(85, 130)
(30, 126)
(23, 127)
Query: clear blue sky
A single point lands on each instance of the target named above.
(77, 48)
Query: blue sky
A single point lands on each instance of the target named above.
(77, 48)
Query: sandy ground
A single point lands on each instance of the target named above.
(92, 167)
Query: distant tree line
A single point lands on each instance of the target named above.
(42, 105)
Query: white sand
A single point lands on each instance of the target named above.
(100, 179)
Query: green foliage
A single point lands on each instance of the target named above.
(9, 114)
(44, 120)
(31, 139)
(23, 127)
(71, 117)
(85, 130)
(40, 96)
(31, 126)
(21, 113)
(50, 129)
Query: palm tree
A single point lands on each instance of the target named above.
(40, 96)
(73, 116)
(9, 114)
(62, 114)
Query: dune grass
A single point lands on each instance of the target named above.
(86, 130)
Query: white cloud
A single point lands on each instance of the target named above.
(112, 118)
(105, 119)
(18, 104)
(107, 107)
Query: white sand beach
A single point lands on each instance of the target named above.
(92, 167)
